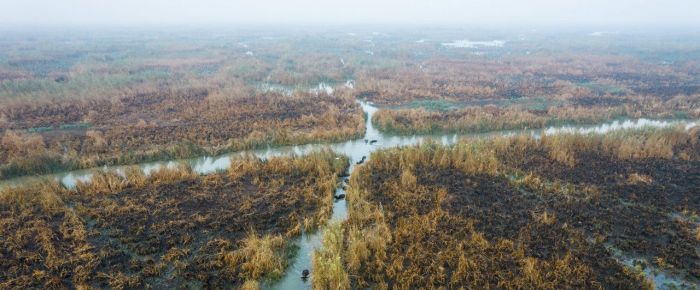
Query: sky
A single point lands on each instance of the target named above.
(343, 12)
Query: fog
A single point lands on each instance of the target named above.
(487, 12)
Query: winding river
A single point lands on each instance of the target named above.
(356, 150)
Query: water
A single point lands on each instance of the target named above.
(355, 150)
(474, 44)
(661, 278)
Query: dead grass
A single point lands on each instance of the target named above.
(45, 244)
(327, 262)
(494, 118)
(259, 257)
(519, 212)
(170, 228)
(636, 178)
(181, 124)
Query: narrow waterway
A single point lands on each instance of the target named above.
(356, 150)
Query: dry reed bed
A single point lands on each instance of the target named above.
(491, 117)
(166, 125)
(169, 229)
(521, 213)
(524, 92)
(559, 76)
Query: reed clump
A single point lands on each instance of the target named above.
(327, 262)
(493, 118)
(259, 257)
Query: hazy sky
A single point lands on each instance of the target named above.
(501, 12)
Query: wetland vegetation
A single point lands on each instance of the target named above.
(83, 99)
(525, 205)
(525, 92)
(171, 228)
(556, 212)
(172, 125)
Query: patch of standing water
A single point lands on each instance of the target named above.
(355, 150)
(661, 279)
(474, 44)
(350, 84)
(621, 125)
(267, 87)
(289, 90)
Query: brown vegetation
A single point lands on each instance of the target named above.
(475, 94)
(327, 261)
(581, 77)
(167, 229)
(525, 213)
(166, 125)
(492, 117)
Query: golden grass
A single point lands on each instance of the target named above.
(103, 182)
(327, 262)
(250, 285)
(46, 194)
(168, 174)
(469, 157)
(636, 178)
(110, 182)
(668, 143)
(259, 257)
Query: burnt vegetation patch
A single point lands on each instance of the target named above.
(558, 212)
(170, 228)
